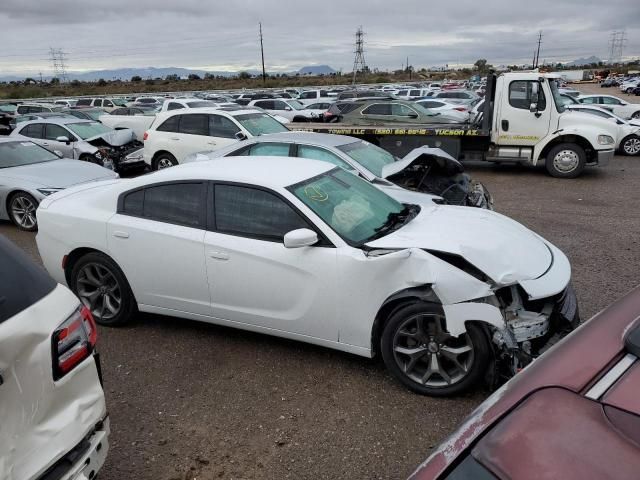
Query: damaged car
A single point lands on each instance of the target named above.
(450, 297)
(53, 417)
(428, 170)
(85, 140)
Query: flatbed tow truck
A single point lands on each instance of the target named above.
(523, 120)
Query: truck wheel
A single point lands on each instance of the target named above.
(630, 145)
(566, 160)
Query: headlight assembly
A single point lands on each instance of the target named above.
(605, 140)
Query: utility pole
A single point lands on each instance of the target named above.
(57, 57)
(537, 58)
(358, 61)
(264, 74)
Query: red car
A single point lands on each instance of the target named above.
(574, 413)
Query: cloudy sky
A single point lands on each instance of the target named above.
(217, 35)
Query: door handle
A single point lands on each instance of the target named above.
(505, 125)
(219, 255)
(211, 143)
(175, 138)
(120, 234)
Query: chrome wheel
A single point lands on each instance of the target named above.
(631, 146)
(99, 290)
(23, 211)
(566, 161)
(430, 356)
(164, 162)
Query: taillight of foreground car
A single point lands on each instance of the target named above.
(145, 136)
(73, 341)
(460, 109)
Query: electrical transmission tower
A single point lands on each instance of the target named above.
(358, 62)
(58, 62)
(617, 43)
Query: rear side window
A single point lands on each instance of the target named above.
(97, 102)
(176, 203)
(35, 130)
(222, 127)
(132, 204)
(270, 149)
(171, 124)
(254, 213)
(378, 109)
(175, 106)
(28, 282)
(194, 124)
(316, 153)
(83, 102)
(266, 104)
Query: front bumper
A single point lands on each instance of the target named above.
(604, 156)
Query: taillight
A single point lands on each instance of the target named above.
(145, 136)
(73, 341)
(460, 109)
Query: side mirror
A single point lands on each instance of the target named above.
(58, 153)
(288, 109)
(533, 108)
(63, 139)
(303, 237)
(240, 136)
(413, 115)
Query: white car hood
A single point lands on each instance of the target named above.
(116, 138)
(501, 248)
(409, 158)
(59, 173)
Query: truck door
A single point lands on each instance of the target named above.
(525, 114)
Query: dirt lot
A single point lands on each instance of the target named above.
(189, 400)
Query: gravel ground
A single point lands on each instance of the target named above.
(189, 400)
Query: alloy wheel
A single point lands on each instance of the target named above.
(632, 146)
(164, 162)
(23, 211)
(430, 356)
(566, 161)
(99, 290)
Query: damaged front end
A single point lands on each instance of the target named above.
(117, 149)
(433, 171)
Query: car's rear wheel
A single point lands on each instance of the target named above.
(164, 160)
(636, 115)
(423, 356)
(22, 211)
(100, 285)
(566, 160)
(631, 145)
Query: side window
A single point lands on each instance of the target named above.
(97, 102)
(270, 149)
(35, 130)
(589, 100)
(323, 93)
(431, 104)
(378, 109)
(414, 93)
(107, 103)
(21, 110)
(179, 203)
(521, 94)
(119, 111)
(174, 106)
(610, 101)
(266, 104)
(250, 212)
(35, 109)
(83, 102)
(133, 203)
(53, 131)
(321, 154)
(197, 124)
(279, 105)
(400, 110)
(222, 127)
(308, 95)
(171, 124)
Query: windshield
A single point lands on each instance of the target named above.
(88, 129)
(8, 108)
(18, 154)
(260, 124)
(369, 156)
(557, 97)
(352, 207)
(296, 104)
(119, 102)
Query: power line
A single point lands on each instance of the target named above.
(58, 57)
(358, 61)
(264, 75)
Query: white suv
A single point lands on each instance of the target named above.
(53, 415)
(178, 133)
(287, 108)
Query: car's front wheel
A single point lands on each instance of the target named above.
(100, 285)
(22, 211)
(631, 145)
(164, 160)
(423, 356)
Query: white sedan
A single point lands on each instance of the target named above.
(628, 135)
(456, 112)
(305, 250)
(292, 110)
(620, 107)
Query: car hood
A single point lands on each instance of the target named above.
(116, 138)
(59, 173)
(436, 154)
(501, 248)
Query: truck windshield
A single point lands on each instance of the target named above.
(557, 97)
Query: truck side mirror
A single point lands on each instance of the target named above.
(533, 108)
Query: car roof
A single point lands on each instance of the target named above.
(231, 113)
(66, 120)
(268, 171)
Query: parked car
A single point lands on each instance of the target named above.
(320, 106)
(463, 97)
(569, 100)
(307, 97)
(428, 170)
(179, 103)
(138, 119)
(453, 111)
(26, 108)
(18, 119)
(29, 173)
(445, 294)
(576, 407)
(53, 414)
(620, 107)
(292, 110)
(609, 82)
(572, 92)
(352, 95)
(146, 101)
(178, 133)
(67, 102)
(92, 114)
(106, 104)
(335, 111)
(395, 111)
(84, 140)
(628, 137)
(410, 93)
(629, 85)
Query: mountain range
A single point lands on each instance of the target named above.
(579, 62)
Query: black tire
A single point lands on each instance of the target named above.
(162, 160)
(571, 155)
(127, 305)
(636, 115)
(476, 362)
(630, 145)
(21, 208)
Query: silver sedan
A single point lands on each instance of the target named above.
(29, 173)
